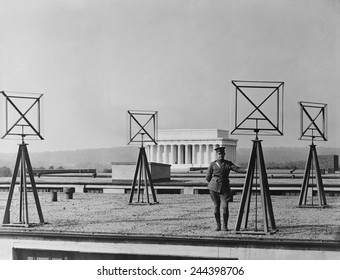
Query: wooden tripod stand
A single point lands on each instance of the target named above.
(256, 162)
(143, 174)
(312, 158)
(24, 162)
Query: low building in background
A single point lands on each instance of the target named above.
(126, 171)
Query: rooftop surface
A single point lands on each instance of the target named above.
(174, 215)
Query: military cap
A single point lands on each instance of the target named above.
(220, 150)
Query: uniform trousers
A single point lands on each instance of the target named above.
(218, 200)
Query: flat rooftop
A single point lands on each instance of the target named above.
(174, 215)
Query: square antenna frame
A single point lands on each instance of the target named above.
(313, 121)
(22, 115)
(142, 126)
(258, 108)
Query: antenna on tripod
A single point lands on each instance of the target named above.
(29, 126)
(312, 126)
(264, 101)
(142, 128)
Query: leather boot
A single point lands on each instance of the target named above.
(225, 221)
(218, 221)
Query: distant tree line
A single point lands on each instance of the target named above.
(283, 165)
(286, 165)
(51, 167)
(5, 171)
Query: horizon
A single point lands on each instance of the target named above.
(135, 146)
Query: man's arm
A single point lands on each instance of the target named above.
(209, 173)
(238, 169)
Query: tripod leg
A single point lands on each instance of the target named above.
(140, 181)
(34, 187)
(267, 196)
(320, 189)
(153, 192)
(23, 173)
(146, 180)
(148, 172)
(21, 190)
(6, 219)
(304, 188)
(264, 189)
(246, 188)
(248, 198)
(144, 172)
(134, 179)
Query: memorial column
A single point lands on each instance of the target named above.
(158, 153)
(194, 153)
(187, 156)
(179, 158)
(230, 153)
(206, 160)
(151, 147)
(231, 149)
(165, 150)
(200, 154)
(193, 159)
(171, 155)
(212, 153)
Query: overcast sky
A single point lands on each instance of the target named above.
(94, 60)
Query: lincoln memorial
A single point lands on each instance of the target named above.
(191, 147)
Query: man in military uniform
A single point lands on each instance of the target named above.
(219, 188)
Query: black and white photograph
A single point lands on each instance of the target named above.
(198, 132)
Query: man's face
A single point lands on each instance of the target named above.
(220, 156)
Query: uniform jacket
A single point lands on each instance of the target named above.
(218, 176)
